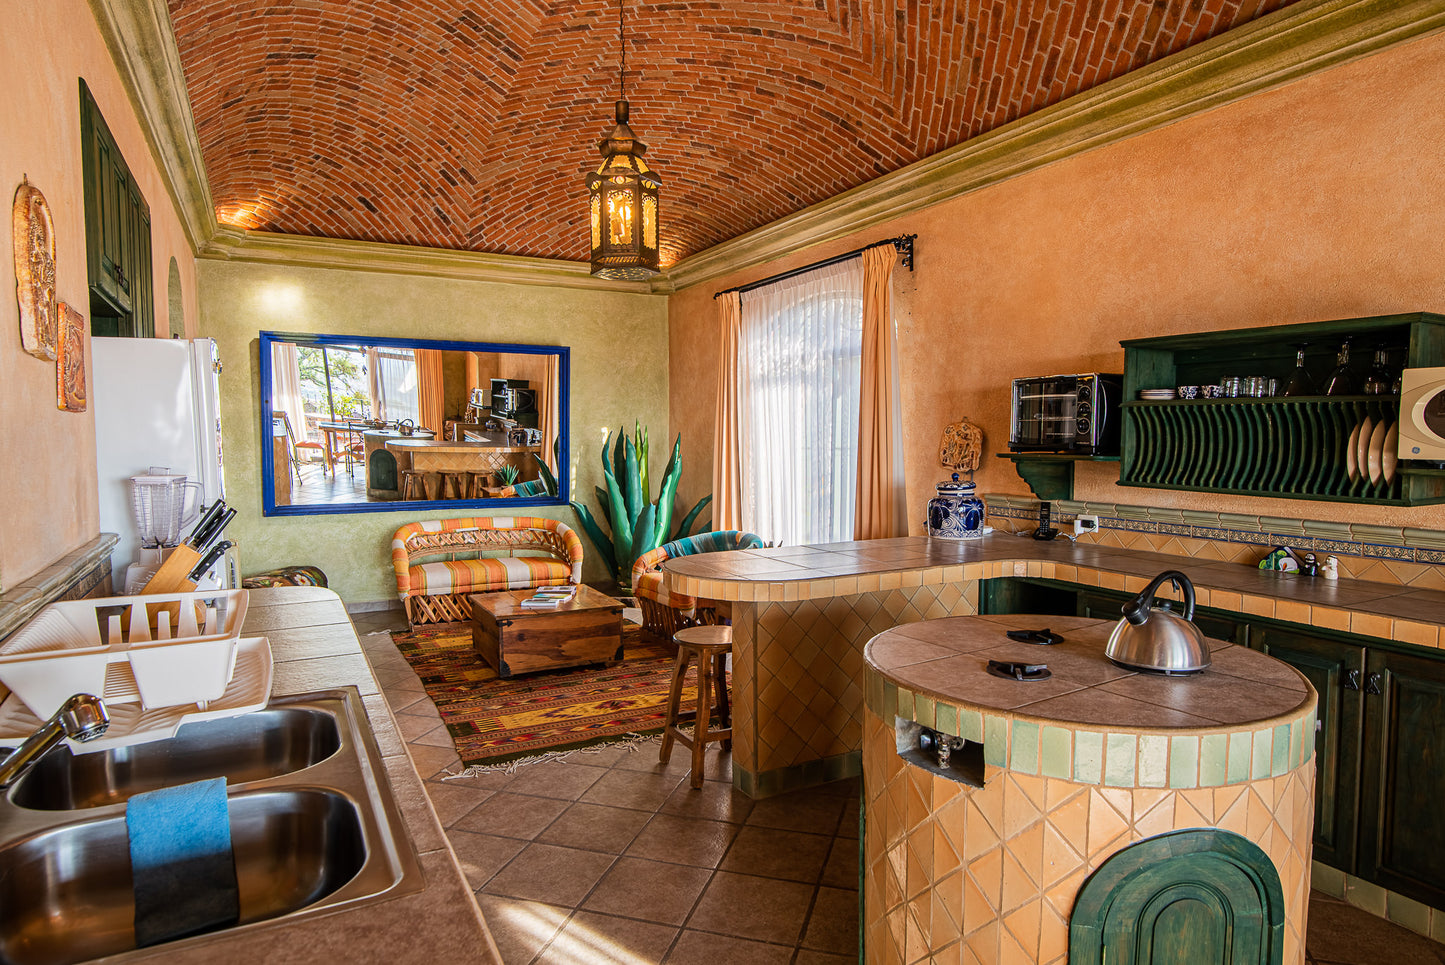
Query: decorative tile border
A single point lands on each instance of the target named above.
(1380, 902)
(1320, 537)
(1109, 757)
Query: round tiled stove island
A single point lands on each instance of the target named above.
(1093, 814)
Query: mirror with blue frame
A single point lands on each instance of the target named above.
(361, 424)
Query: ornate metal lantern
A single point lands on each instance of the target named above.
(622, 197)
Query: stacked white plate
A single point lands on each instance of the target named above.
(1156, 395)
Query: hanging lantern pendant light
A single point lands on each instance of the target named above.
(622, 196)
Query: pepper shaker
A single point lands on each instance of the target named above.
(1309, 567)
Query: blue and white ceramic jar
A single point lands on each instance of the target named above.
(955, 513)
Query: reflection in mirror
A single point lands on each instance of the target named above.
(361, 424)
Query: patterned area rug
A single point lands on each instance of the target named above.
(535, 716)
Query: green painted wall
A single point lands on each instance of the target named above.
(619, 375)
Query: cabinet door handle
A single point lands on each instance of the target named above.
(1352, 680)
(1372, 684)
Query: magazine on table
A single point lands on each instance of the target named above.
(549, 597)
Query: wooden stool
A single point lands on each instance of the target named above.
(454, 481)
(477, 481)
(413, 485)
(710, 646)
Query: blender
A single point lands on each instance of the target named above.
(164, 503)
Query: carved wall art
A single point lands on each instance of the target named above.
(70, 361)
(961, 447)
(34, 239)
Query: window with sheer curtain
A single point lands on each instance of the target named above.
(799, 365)
(394, 384)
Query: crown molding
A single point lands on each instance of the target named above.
(263, 247)
(142, 45)
(1292, 43)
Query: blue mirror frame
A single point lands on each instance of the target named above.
(268, 465)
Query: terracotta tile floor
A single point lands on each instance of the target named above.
(610, 858)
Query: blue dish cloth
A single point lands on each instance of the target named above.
(182, 865)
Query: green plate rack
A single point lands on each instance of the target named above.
(1290, 447)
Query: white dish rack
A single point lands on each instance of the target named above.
(161, 650)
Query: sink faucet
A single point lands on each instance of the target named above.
(82, 718)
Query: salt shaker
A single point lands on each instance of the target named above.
(1331, 569)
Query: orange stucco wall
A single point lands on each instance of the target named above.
(1322, 199)
(48, 486)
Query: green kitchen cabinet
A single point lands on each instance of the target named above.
(1291, 447)
(1402, 833)
(117, 233)
(1337, 671)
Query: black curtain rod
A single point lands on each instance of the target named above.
(904, 244)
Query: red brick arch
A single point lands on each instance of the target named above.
(471, 125)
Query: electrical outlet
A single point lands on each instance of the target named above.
(1085, 524)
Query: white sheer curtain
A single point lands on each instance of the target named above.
(286, 387)
(799, 359)
(396, 385)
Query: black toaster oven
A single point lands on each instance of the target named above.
(1067, 413)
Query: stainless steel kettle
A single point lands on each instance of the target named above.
(1155, 638)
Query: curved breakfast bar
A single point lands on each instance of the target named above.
(985, 846)
(802, 615)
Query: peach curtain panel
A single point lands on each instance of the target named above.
(727, 501)
(431, 398)
(879, 506)
(374, 391)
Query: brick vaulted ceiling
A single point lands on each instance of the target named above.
(467, 125)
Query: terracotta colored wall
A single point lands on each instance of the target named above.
(49, 486)
(1323, 199)
(619, 375)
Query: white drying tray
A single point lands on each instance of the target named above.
(169, 648)
(131, 723)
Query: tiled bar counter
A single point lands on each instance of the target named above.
(986, 857)
(801, 616)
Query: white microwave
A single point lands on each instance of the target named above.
(1422, 414)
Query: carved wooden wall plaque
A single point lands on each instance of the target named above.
(34, 239)
(70, 361)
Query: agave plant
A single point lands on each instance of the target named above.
(508, 475)
(638, 524)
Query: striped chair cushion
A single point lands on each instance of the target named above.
(650, 586)
(647, 578)
(487, 575)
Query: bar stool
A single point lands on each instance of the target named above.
(709, 646)
(477, 481)
(413, 485)
(454, 481)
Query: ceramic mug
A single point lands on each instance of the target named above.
(1187, 391)
(1212, 391)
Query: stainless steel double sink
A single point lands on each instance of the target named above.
(314, 826)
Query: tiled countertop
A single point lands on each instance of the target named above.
(948, 658)
(793, 573)
(315, 648)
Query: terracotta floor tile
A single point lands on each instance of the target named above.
(841, 869)
(713, 801)
(810, 810)
(592, 939)
(670, 837)
(483, 855)
(512, 815)
(595, 827)
(833, 922)
(772, 853)
(544, 872)
(651, 890)
(520, 928)
(703, 948)
(632, 789)
(1341, 934)
(563, 780)
(763, 909)
(453, 803)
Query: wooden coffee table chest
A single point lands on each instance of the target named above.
(513, 639)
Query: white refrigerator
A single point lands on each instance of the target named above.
(157, 403)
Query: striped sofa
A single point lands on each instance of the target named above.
(438, 562)
(663, 612)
